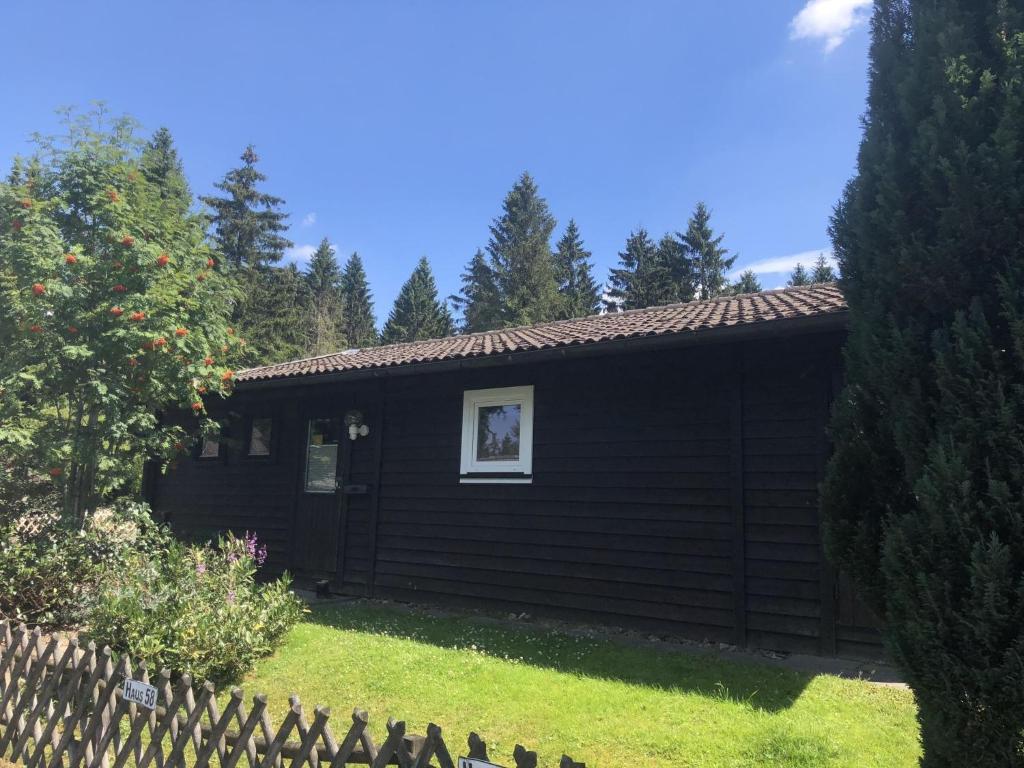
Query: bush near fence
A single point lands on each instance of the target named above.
(62, 706)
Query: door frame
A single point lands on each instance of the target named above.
(305, 414)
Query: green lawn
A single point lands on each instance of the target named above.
(601, 701)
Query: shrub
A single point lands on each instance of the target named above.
(194, 609)
(50, 566)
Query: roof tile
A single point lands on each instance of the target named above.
(690, 317)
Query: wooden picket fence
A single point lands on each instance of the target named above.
(62, 706)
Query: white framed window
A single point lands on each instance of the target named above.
(497, 435)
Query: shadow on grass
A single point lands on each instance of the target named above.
(690, 672)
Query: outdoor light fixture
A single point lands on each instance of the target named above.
(354, 422)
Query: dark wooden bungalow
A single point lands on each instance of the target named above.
(656, 469)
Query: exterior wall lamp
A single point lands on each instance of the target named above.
(356, 427)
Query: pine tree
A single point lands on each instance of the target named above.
(924, 494)
(710, 260)
(521, 260)
(799, 276)
(679, 270)
(358, 324)
(162, 167)
(323, 283)
(747, 283)
(580, 294)
(418, 313)
(822, 272)
(478, 299)
(246, 230)
(643, 278)
(272, 316)
(247, 222)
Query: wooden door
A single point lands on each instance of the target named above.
(319, 503)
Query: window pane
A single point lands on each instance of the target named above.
(322, 456)
(497, 432)
(211, 448)
(259, 437)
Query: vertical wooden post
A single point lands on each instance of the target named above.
(345, 448)
(736, 497)
(293, 449)
(378, 458)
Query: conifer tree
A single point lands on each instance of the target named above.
(746, 283)
(520, 251)
(323, 283)
(924, 494)
(418, 314)
(358, 324)
(710, 260)
(642, 279)
(162, 167)
(274, 313)
(580, 294)
(247, 223)
(822, 271)
(677, 271)
(478, 298)
(799, 276)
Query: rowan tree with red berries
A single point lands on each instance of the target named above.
(113, 309)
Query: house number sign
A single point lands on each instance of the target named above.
(139, 693)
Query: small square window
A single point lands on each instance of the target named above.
(210, 448)
(260, 431)
(497, 435)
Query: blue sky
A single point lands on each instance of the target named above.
(396, 128)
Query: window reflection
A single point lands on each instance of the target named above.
(497, 434)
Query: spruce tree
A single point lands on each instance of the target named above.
(358, 324)
(323, 283)
(643, 278)
(478, 298)
(746, 283)
(711, 262)
(580, 294)
(799, 276)
(679, 270)
(273, 314)
(520, 251)
(924, 494)
(822, 271)
(418, 313)
(162, 167)
(247, 223)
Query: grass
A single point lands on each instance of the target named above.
(598, 700)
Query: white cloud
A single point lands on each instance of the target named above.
(785, 264)
(299, 253)
(828, 20)
(309, 219)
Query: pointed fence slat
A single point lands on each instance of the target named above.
(62, 706)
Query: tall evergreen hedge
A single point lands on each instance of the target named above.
(924, 496)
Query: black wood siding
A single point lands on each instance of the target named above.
(674, 490)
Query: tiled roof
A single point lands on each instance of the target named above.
(687, 318)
